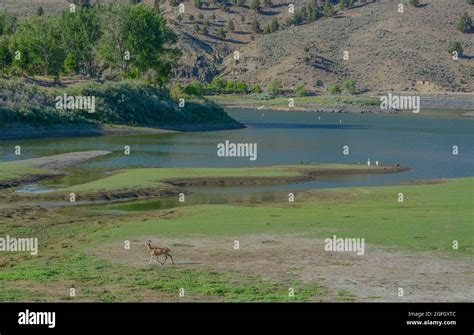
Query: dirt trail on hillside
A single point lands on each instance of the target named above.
(375, 276)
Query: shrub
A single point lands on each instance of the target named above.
(300, 91)
(465, 23)
(275, 87)
(335, 89)
(456, 46)
(257, 89)
(350, 86)
(195, 88)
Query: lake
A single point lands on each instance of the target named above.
(423, 143)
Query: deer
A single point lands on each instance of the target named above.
(157, 251)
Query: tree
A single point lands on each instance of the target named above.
(267, 3)
(197, 4)
(255, 5)
(136, 40)
(465, 23)
(230, 25)
(38, 40)
(70, 64)
(80, 32)
(256, 26)
(342, 4)
(470, 2)
(240, 3)
(328, 9)
(221, 33)
(275, 87)
(217, 85)
(39, 11)
(414, 3)
(274, 25)
(456, 46)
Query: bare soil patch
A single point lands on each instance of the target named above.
(375, 276)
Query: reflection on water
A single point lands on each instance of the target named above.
(207, 197)
(423, 143)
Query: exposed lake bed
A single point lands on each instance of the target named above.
(188, 197)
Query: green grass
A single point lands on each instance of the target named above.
(283, 101)
(92, 277)
(15, 170)
(154, 177)
(429, 219)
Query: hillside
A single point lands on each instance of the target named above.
(387, 50)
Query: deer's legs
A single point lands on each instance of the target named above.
(166, 258)
(158, 260)
(150, 259)
(172, 260)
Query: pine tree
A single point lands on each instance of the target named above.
(328, 9)
(256, 26)
(255, 5)
(465, 24)
(230, 25)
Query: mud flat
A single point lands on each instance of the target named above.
(15, 173)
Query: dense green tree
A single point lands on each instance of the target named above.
(135, 40)
(38, 39)
(80, 32)
(414, 3)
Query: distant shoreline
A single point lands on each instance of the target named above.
(349, 104)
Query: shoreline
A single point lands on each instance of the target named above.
(462, 103)
(111, 130)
